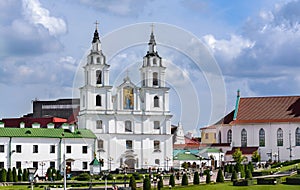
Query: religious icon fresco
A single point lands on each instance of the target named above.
(128, 102)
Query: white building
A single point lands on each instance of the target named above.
(133, 126)
(44, 147)
(269, 124)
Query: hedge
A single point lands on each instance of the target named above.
(268, 181)
(243, 182)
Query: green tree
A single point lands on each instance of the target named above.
(58, 175)
(234, 176)
(3, 175)
(207, 178)
(220, 177)
(146, 183)
(9, 176)
(238, 156)
(54, 174)
(184, 180)
(25, 175)
(185, 165)
(172, 180)
(132, 183)
(20, 174)
(14, 173)
(248, 174)
(49, 174)
(160, 183)
(196, 180)
(255, 156)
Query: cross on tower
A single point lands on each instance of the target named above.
(96, 23)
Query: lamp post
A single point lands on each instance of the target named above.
(42, 164)
(167, 160)
(109, 160)
(125, 179)
(114, 184)
(31, 172)
(100, 161)
(105, 175)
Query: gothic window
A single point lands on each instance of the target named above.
(297, 136)
(261, 137)
(98, 100)
(100, 144)
(98, 77)
(155, 79)
(129, 145)
(156, 124)
(99, 124)
(279, 137)
(244, 138)
(156, 102)
(156, 145)
(229, 136)
(220, 137)
(128, 126)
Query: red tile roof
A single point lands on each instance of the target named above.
(245, 150)
(268, 109)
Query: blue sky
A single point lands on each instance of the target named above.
(254, 43)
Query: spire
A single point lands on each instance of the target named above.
(237, 104)
(96, 34)
(152, 42)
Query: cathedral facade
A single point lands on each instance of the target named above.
(133, 125)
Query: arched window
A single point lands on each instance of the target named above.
(156, 124)
(98, 100)
(156, 101)
(128, 127)
(100, 144)
(220, 137)
(98, 59)
(229, 136)
(98, 77)
(99, 124)
(244, 138)
(261, 137)
(155, 79)
(297, 136)
(156, 145)
(279, 137)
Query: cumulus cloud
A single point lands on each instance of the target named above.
(36, 14)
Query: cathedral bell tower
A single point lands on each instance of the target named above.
(95, 95)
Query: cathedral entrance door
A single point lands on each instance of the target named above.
(130, 162)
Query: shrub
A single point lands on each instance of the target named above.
(146, 183)
(110, 177)
(220, 177)
(14, 173)
(9, 176)
(25, 175)
(184, 180)
(136, 176)
(160, 183)
(54, 176)
(58, 175)
(251, 167)
(248, 174)
(172, 180)
(196, 180)
(19, 174)
(83, 177)
(207, 178)
(268, 181)
(243, 182)
(3, 175)
(234, 176)
(132, 183)
(49, 174)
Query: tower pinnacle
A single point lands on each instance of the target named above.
(96, 34)
(152, 42)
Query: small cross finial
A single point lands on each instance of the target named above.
(127, 73)
(152, 28)
(96, 24)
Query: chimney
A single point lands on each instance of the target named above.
(50, 125)
(1, 125)
(36, 125)
(22, 124)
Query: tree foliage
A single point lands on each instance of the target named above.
(20, 174)
(248, 174)
(184, 180)
(255, 156)
(172, 180)
(196, 180)
(132, 183)
(14, 173)
(146, 183)
(234, 175)
(238, 156)
(9, 176)
(3, 175)
(220, 177)
(25, 175)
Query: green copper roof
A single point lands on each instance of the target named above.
(185, 157)
(95, 162)
(45, 133)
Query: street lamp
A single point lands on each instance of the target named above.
(110, 159)
(31, 172)
(125, 179)
(114, 184)
(167, 160)
(105, 175)
(42, 164)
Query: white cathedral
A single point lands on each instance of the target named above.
(133, 126)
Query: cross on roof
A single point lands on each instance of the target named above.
(96, 23)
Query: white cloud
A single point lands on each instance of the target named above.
(228, 49)
(36, 14)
